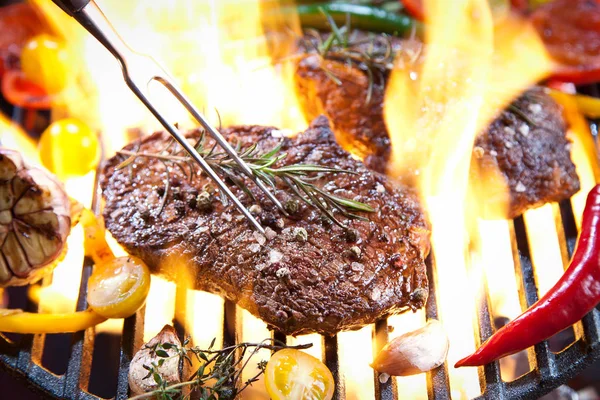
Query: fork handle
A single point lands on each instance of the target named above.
(71, 7)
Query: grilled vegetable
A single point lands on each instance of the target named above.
(26, 322)
(140, 381)
(574, 295)
(35, 220)
(414, 352)
(361, 17)
(45, 62)
(118, 288)
(69, 148)
(294, 375)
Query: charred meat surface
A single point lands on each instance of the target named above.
(308, 275)
(527, 141)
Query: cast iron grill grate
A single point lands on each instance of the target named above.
(21, 357)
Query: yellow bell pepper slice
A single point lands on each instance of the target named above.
(26, 322)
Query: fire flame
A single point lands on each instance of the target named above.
(218, 52)
(433, 113)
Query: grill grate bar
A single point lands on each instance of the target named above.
(131, 341)
(490, 380)
(387, 390)
(542, 358)
(331, 359)
(231, 328)
(82, 345)
(438, 383)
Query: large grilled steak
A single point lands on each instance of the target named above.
(308, 275)
(526, 142)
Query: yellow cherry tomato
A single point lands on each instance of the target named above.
(118, 288)
(294, 375)
(69, 148)
(45, 62)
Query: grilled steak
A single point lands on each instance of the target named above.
(307, 275)
(536, 165)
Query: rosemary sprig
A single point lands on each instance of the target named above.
(296, 177)
(220, 373)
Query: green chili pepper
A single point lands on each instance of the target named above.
(361, 17)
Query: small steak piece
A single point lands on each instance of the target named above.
(535, 161)
(308, 275)
(527, 143)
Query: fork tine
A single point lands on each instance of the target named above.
(194, 154)
(219, 139)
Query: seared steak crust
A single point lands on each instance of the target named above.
(539, 162)
(310, 275)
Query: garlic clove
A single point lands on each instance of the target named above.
(414, 352)
(10, 162)
(169, 371)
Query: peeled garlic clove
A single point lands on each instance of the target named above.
(35, 220)
(414, 352)
(169, 371)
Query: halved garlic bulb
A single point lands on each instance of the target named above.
(35, 220)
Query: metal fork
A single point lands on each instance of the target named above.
(139, 70)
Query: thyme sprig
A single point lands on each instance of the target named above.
(220, 373)
(297, 177)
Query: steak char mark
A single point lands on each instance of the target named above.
(309, 275)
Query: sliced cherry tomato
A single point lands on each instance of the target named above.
(294, 375)
(20, 92)
(570, 30)
(69, 148)
(118, 288)
(45, 62)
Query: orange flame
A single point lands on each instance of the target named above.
(470, 71)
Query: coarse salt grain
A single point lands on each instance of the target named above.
(357, 267)
(520, 188)
(509, 130)
(270, 233)
(254, 247)
(259, 238)
(226, 217)
(535, 108)
(275, 256)
(375, 294)
(524, 129)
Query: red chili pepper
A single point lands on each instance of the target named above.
(574, 295)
